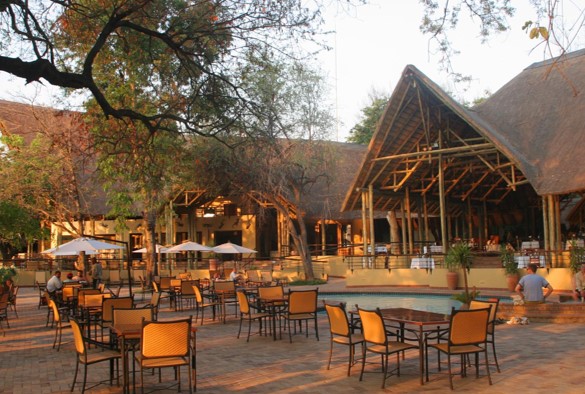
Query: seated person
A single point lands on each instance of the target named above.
(69, 278)
(235, 276)
(580, 284)
(79, 277)
(54, 284)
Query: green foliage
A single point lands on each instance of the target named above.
(313, 282)
(17, 226)
(362, 132)
(507, 258)
(7, 273)
(466, 297)
(576, 257)
(458, 256)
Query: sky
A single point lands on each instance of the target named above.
(372, 46)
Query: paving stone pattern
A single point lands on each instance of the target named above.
(537, 358)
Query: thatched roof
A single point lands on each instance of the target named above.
(422, 124)
(540, 116)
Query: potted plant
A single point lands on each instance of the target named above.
(510, 267)
(457, 257)
(576, 257)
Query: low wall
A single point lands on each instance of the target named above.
(549, 312)
(482, 278)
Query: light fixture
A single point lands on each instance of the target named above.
(208, 213)
(104, 224)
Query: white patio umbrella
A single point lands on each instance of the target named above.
(229, 247)
(159, 249)
(188, 246)
(87, 245)
(72, 253)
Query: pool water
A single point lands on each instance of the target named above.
(424, 302)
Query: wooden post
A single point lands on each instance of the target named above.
(442, 204)
(371, 211)
(409, 221)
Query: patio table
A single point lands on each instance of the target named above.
(423, 321)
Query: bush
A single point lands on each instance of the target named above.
(313, 282)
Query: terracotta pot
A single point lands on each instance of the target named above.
(512, 281)
(452, 279)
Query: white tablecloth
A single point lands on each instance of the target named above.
(433, 249)
(422, 262)
(523, 261)
(578, 242)
(530, 245)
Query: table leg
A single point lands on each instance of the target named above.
(421, 354)
(125, 387)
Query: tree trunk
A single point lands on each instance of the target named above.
(149, 240)
(394, 232)
(301, 243)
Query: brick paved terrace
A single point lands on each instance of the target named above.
(537, 358)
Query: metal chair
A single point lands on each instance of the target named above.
(376, 341)
(302, 306)
(341, 334)
(491, 330)
(247, 314)
(88, 357)
(166, 344)
(467, 335)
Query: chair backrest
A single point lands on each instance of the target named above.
(302, 301)
(165, 339)
(338, 321)
(254, 276)
(41, 277)
(493, 312)
(67, 293)
(93, 300)
(225, 286)
(117, 292)
(271, 292)
(373, 326)
(243, 301)
(83, 292)
(102, 287)
(468, 327)
(198, 296)
(132, 316)
(176, 283)
(165, 283)
(266, 276)
(155, 287)
(115, 303)
(187, 287)
(56, 314)
(155, 300)
(78, 337)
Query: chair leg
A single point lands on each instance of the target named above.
(240, 329)
(331, 354)
(495, 355)
(450, 374)
(249, 329)
(363, 362)
(84, 378)
(487, 366)
(75, 375)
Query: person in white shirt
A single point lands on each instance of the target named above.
(54, 283)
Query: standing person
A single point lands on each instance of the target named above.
(531, 285)
(54, 284)
(96, 272)
(580, 284)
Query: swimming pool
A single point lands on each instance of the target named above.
(424, 302)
